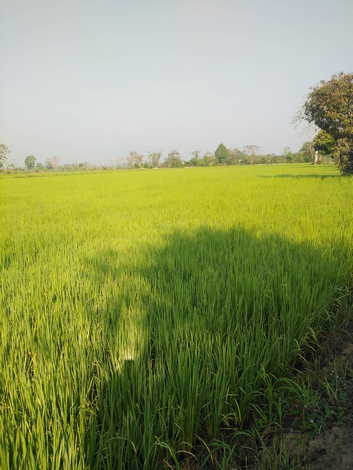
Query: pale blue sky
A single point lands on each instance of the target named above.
(92, 80)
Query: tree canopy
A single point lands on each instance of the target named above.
(330, 107)
(30, 162)
(221, 154)
(324, 143)
(173, 160)
(308, 151)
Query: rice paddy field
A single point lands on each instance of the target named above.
(146, 311)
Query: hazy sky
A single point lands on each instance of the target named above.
(92, 80)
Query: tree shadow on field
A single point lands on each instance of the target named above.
(199, 326)
(299, 176)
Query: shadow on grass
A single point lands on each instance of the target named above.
(299, 176)
(198, 327)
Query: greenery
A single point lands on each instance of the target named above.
(173, 160)
(4, 154)
(324, 143)
(308, 151)
(330, 107)
(146, 314)
(222, 156)
(30, 162)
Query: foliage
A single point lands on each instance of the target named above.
(236, 157)
(154, 159)
(196, 159)
(52, 163)
(30, 162)
(173, 160)
(308, 151)
(288, 155)
(251, 149)
(141, 313)
(330, 107)
(221, 154)
(324, 143)
(135, 160)
(208, 160)
(4, 154)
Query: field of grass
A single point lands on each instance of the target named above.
(145, 311)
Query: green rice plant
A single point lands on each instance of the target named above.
(145, 311)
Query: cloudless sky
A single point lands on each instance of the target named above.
(92, 80)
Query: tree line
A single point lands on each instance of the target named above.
(329, 106)
(248, 155)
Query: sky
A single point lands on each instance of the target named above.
(92, 80)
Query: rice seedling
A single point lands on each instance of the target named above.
(144, 311)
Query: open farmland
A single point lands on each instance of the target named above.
(142, 311)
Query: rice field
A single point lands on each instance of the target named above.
(143, 311)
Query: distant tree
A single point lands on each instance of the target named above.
(287, 154)
(324, 143)
(207, 160)
(173, 160)
(195, 160)
(251, 149)
(4, 154)
(30, 162)
(154, 159)
(330, 107)
(135, 160)
(235, 157)
(39, 166)
(48, 164)
(221, 154)
(52, 163)
(308, 152)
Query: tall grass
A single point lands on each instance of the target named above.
(143, 311)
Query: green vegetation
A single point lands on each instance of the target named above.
(147, 313)
(249, 155)
(4, 154)
(222, 154)
(330, 107)
(30, 162)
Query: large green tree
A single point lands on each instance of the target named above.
(330, 107)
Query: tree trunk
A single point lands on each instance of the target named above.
(346, 163)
